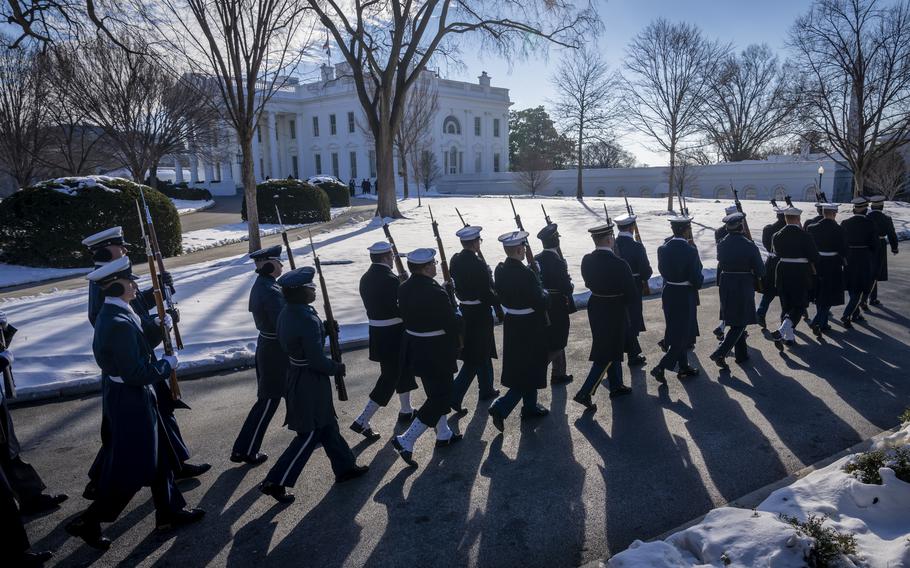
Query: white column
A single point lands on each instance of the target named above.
(273, 148)
(257, 155)
(226, 172)
(178, 170)
(300, 149)
(194, 169)
(209, 172)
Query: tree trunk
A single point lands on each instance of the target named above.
(672, 176)
(858, 182)
(248, 179)
(153, 176)
(404, 180)
(386, 202)
(579, 190)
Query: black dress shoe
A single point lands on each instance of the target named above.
(257, 459)
(637, 360)
(846, 323)
(490, 395)
(762, 322)
(366, 432)
(619, 391)
(353, 473)
(90, 493)
(90, 532)
(719, 361)
(406, 417)
(864, 306)
(536, 412)
(875, 302)
(778, 340)
(658, 374)
(562, 380)
(789, 342)
(719, 333)
(32, 559)
(687, 372)
(406, 455)
(742, 359)
(277, 492)
(817, 331)
(42, 503)
(180, 518)
(454, 439)
(460, 411)
(498, 420)
(585, 400)
(662, 345)
(858, 317)
(188, 470)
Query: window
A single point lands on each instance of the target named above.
(372, 163)
(293, 127)
(258, 134)
(476, 126)
(318, 159)
(315, 126)
(351, 123)
(451, 125)
(496, 162)
(477, 162)
(495, 128)
(353, 158)
(295, 166)
(216, 172)
(333, 129)
(452, 167)
(335, 171)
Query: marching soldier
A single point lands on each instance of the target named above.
(797, 257)
(265, 303)
(739, 264)
(719, 235)
(554, 275)
(884, 227)
(613, 293)
(635, 255)
(310, 412)
(17, 546)
(430, 350)
(678, 263)
(768, 284)
(820, 214)
(379, 293)
(524, 344)
(138, 453)
(832, 250)
(474, 289)
(862, 244)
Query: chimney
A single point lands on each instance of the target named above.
(484, 79)
(328, 73)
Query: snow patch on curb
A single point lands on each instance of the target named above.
(187, 206)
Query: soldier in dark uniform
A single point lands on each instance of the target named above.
(379, 293)
(768, 287)
(613, 292)
(429, 350)
(310, 412)
(554, 275)
(884, 227)
(797, 257)
(739, 264)
(16, 544)
(678, 263)
(265, 303)
(524, 343)
(138, 453)
(832, 250)
(819, 210)
(633, 252)
(719, 235)
(862, 245)
(474, 289)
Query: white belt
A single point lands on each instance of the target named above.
(883, 237)
(732, 272)
(115, 379)
(385, 322)
(772, 255)
(298, 362)
(268, 335)
(826, 253)
(795, 260)
(636, 274)
(858, 247)
(518, 311)
(606, 295)
(471, 302)
(686, 283)
(435, 333)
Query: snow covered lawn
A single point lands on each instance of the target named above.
(53, 348)
(15, 275)
(187, 206)
(877, 515)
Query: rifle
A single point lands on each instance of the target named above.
(159, 300)
(9, 382)
(334, 343)
(446, 275)
(399, 266)
(479, 252)
(284, 236)
(167, 291)
(818, 198)
(739, 207)
(529, 256)
(628, 207)
(607, 213)
(546, 218)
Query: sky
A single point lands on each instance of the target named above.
(737, 22)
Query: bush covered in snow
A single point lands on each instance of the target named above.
(298, 201)
(183, 191)
(339, 194)
(44, 224)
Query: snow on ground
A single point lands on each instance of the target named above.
(187, 206)
(53, 348)
(16, 275)
(875, 514)
(234, 233)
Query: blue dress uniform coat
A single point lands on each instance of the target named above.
(524, 349)
(474, 289)
(613, 292)
(633, 252)
(767, 236)
(862, 244)
(677, 261)
(266, 302)
(832, 249)
(884, 228)
(797, 254)
(554, 276)
(738, 264)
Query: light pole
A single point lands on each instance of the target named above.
(821, 172)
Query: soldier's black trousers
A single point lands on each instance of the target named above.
(112, 501)
(21, 476)
(821, 314)
(505, 404)
(613, 374)
(675, 357)
(484, 374)
(734, 339)
(633, 347)
(439, 398)
(765, 303)
(288, 467)
(257, 422)
(391, 380)
(11, 527)
(852, 304)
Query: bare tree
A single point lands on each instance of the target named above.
(889, 175)
(23, 94)
(854, 55)
(752, 100)
(685, 176)
(388, 45)
(607, 154)
(415, 125)
(427, 169)
(666, 84)
(533, 172)
(586, 102)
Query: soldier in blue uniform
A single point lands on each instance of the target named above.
(138, 452)
(524, 343)
(635, 255)
(884, 227)
(265, 303)
(797, 257)
(17, 548)
(768, 286)
(739, 264)
(678, 263)
(107, 246)
(554, 275)
(379, 293)
(719, 235)
(820, 214)
(429, 350)
(862, 245)
(310, 412)
(614, 291)
(474, 290)
(832, 250)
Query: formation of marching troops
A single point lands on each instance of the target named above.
(421, 329)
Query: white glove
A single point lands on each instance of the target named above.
(8, 355)
(168, 321)
(172, 361)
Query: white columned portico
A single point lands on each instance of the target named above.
(300, 148)
(274, 168)
(226, 173)
(178, 170)
(209, 172)
(194, 169)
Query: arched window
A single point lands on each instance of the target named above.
(695, 193)
(645, 192)
(810, 193)
(722, 192)
(453, 160)
(451, 125)
(601, 192)
(780, 192)
(751, 193)
(621, 192)
(559, 193)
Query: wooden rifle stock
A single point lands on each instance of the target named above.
(443, 263)
(334, 342)
(479, 252)
(399, 266)
(167, 292)
(284, 237)
(529, 254)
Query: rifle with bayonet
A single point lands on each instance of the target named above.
(479, 252)
(630, 212)
(546, 218)
(739, 207)
(446, 275)
(284, 237)
(399, 266)
(9, 381)
(168, 290)
(331, 324)
(529, 255)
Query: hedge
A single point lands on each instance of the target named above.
(298, 201)
(44, 224)
(339, 194)
(183, 191)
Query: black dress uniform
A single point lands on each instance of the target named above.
(887, 237)
(15, 540)
(554, 276)
(635, 255)
(797, 256)
(862, 245)
(832, 250)
(768, 286)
